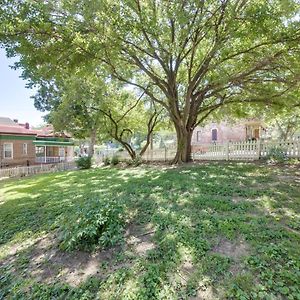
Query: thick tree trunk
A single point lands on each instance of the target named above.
(131, 152)
(144, 149)
(149, 142)
(184, 149)
(92, 143)
(128, 148)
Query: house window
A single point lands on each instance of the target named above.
(24, 149)
(198, 136)
(214, 135)
(8, 150)
(39, 150)
(61, 152)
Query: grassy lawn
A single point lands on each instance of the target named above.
(208, 231)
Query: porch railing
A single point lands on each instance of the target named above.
(51, 159)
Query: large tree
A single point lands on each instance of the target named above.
(191, 56)
(96, 109)
(73, 108)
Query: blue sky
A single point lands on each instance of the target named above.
(15, 101)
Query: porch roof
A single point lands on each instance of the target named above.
(52, 143)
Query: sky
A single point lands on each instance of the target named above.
(15, 101)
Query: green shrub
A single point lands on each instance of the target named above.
(96, 223)
(84, 162)
(276, 154)
(114, 160)
(136, 161)
(294, 161)
(106, 161)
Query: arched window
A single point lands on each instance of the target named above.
(214, 135)
(198, 136)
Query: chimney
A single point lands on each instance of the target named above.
(16, 121)
(27, 125)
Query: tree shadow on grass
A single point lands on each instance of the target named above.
(35, 203)
(180, 222)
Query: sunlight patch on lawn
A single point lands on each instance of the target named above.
(12, 187)
(17, 195)
(195, 220)
(20, 242)
(134, 172)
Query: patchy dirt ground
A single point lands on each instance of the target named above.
(46, 263)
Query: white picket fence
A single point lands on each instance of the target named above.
(43, 168)
(249, 150)
(164, 154)
(150, 155)
(245, 150)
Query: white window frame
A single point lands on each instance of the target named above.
(25, 148)
(12, 150)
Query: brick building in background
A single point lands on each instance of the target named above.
(21, 146)
(225, 131)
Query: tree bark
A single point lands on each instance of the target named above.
(92, 143)
(128, 148)
(184, 148)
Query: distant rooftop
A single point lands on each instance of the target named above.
(16, 129)
(8, 126)
(7, 121)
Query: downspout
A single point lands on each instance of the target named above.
(45, 154)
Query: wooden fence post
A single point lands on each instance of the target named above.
(258, 148)
(227, 150)
(166, 154)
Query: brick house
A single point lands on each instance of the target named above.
(21, 146)
(221, 132)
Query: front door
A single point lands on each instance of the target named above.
(256, 133)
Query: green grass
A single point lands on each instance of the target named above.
(212, 231)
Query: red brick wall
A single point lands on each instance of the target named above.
(18, 157)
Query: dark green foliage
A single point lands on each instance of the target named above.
(114, 160)
(135, 162)
(97, 222)
(106, 161)
(84, 162)
(276, 154)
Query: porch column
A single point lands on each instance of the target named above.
(45, 154)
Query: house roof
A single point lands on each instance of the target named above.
(7, 129)
(7, 121)
(8, 126)
(53, 143)
(48, 131)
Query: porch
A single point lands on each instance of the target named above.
(49, 152)
(255, 130)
